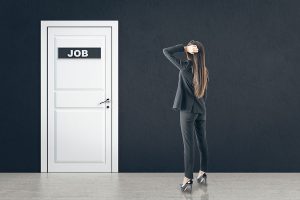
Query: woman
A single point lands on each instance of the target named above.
(190, 100)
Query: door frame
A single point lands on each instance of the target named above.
(114, 24)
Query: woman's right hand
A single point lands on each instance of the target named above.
(191, 49)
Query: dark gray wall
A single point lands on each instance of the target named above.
(253, 101)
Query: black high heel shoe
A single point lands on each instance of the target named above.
(187, 187)
(202, 178)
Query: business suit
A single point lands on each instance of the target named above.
(192, 111)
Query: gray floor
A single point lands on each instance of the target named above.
(82, 186)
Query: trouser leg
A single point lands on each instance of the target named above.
(200, 132)
(187, 120)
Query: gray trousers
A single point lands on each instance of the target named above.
(192, 124)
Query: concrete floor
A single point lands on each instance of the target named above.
(102, 186)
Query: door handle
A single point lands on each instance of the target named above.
(107, 100)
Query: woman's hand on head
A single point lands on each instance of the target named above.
(191, 49)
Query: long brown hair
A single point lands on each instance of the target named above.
(200, 72)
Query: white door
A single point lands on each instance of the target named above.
(79, 79)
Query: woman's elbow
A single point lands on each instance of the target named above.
(165, 52)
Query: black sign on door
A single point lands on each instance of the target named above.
(75, 52)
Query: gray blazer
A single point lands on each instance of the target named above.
(185, 98)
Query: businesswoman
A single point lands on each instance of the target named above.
(190, 100)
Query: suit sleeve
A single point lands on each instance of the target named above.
(205, 93)
(169, 53)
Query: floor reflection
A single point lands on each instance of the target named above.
(201, 189)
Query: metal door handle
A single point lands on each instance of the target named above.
(107, 100)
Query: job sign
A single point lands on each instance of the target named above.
(79, 52)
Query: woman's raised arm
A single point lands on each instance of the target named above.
(170, 51)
